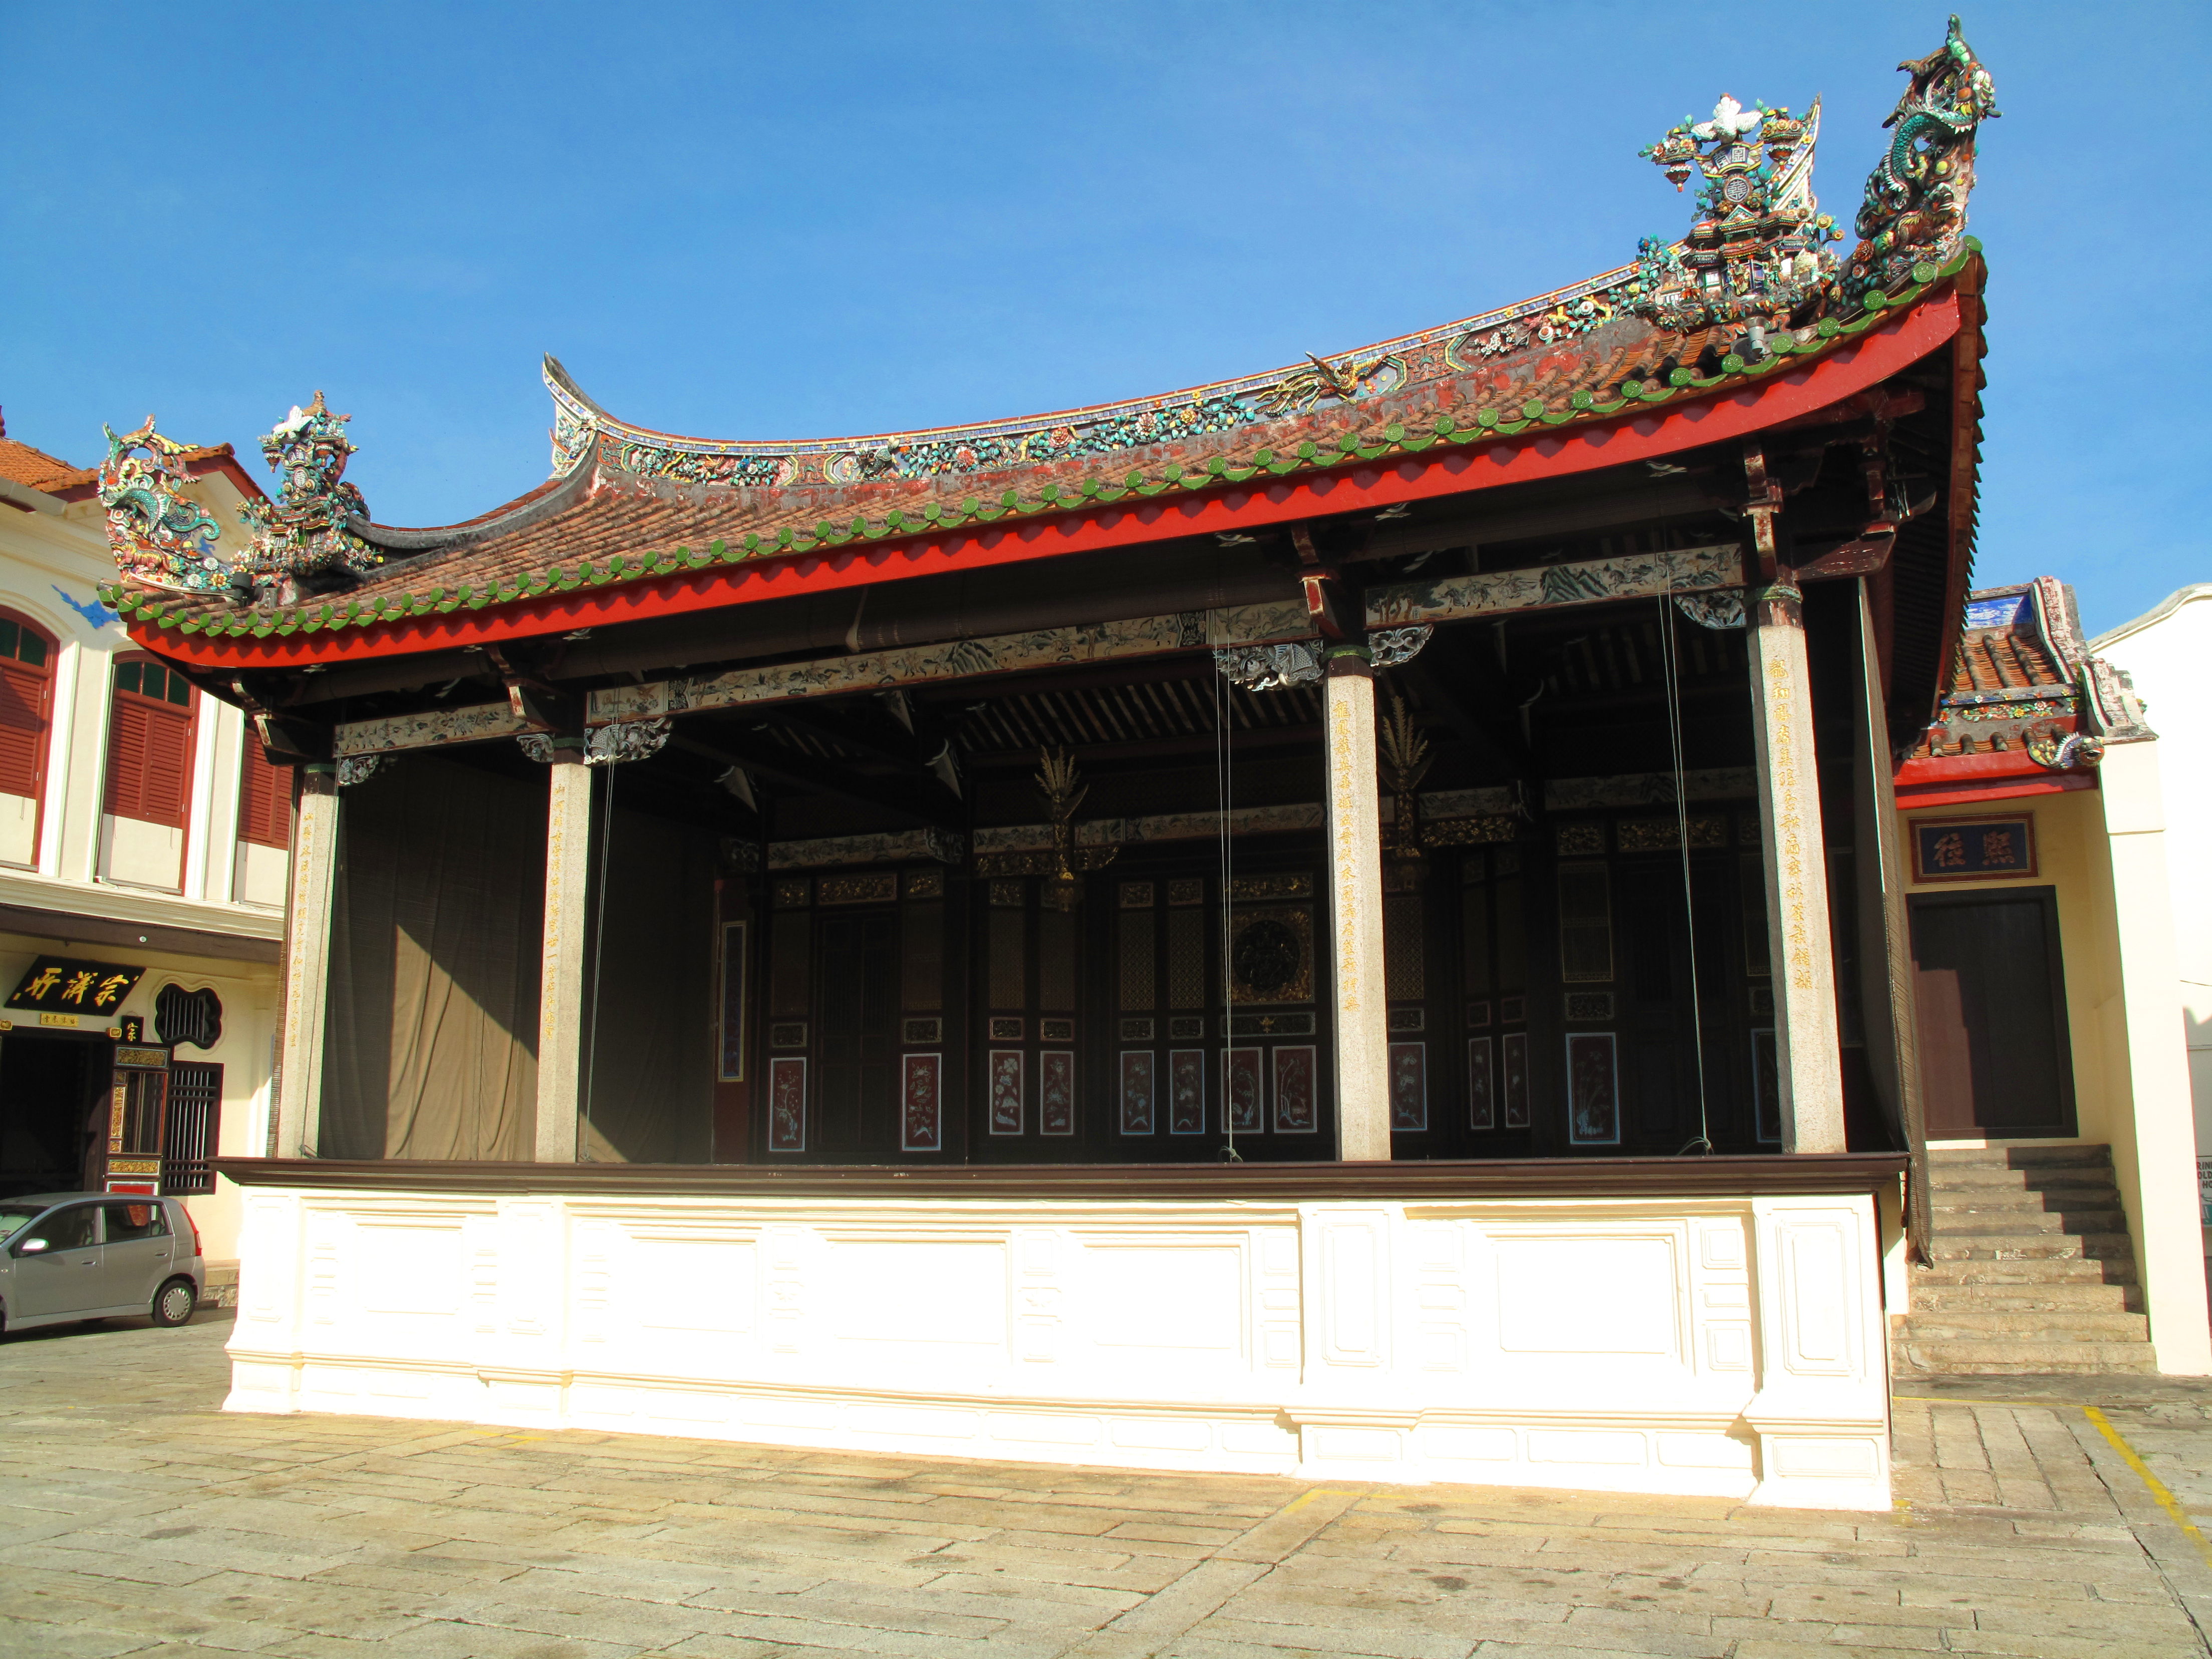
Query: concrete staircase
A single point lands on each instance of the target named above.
(2034, 1272)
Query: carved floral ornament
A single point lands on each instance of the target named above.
(603, 745)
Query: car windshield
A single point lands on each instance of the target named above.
(14, 1218)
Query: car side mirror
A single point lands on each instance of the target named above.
(31, 1247)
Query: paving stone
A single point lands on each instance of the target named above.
(139, 1517)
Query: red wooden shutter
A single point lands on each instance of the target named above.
(264, 793)
(149, 761)
(22, 728)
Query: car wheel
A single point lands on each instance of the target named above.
(174, 1302)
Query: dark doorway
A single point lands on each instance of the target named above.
(859, 1036)
(1995, 1057)
(54, 1102)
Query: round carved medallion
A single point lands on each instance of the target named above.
(1265, 960)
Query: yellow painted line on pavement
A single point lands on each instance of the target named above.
(1297, 1503)
(2158, 1488)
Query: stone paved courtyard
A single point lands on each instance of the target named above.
(137, 1517)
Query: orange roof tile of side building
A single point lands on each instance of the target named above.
(2029, 709)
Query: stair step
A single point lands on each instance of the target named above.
(1983, 1298)
(2021, 1157)
(2004, 1178)
(2038, 1271)
(2019, 1327)
(2030, 1247)
(1974, 1220)
(1948, 1357)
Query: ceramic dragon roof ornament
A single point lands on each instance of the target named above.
(1754, 261)
(158, 535)
(1754, 254)
(1915, 210)
(302, 538)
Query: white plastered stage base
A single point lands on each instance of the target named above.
(1713, 1346)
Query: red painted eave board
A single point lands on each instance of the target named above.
(1647, 435)
(2001, 776)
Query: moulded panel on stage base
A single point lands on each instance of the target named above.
(1728, 1344)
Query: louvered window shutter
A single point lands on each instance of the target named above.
(149, 760)
(22, 728)
(126, 758)
(264, 798)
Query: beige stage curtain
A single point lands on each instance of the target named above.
(432, 1047)
(650, 1097)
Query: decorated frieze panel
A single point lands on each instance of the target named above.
(889, 847)
(1647, 788)
(1000, 840)
(431, 729)
(1665, 835)
(874, 671)
(1588, 581)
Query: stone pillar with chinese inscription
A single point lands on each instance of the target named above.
(1354, 831)
(560, 982)
(306, 963)
(1808, 1060)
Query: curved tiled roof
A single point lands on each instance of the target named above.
(1746, 296)
(600, 525)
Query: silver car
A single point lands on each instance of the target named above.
(92, 1255)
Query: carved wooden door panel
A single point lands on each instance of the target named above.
(1995, 1057)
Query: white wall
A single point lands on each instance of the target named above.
(2167, 652)
(1730, 1347)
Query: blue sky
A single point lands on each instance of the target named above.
(799, 220)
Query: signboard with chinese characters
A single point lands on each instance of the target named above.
(1973, 849)
(64, 985)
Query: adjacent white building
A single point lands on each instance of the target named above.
(2164, 651)
(142, 831)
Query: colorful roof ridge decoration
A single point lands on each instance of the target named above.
(306, 532)
(159, 537)
(1916, 197)
(1753, 255)
(1578, 356)
(2024, 686)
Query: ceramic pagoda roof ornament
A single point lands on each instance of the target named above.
(1914, 211)
(304, 533)
(158, 536)
(1753, 255)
